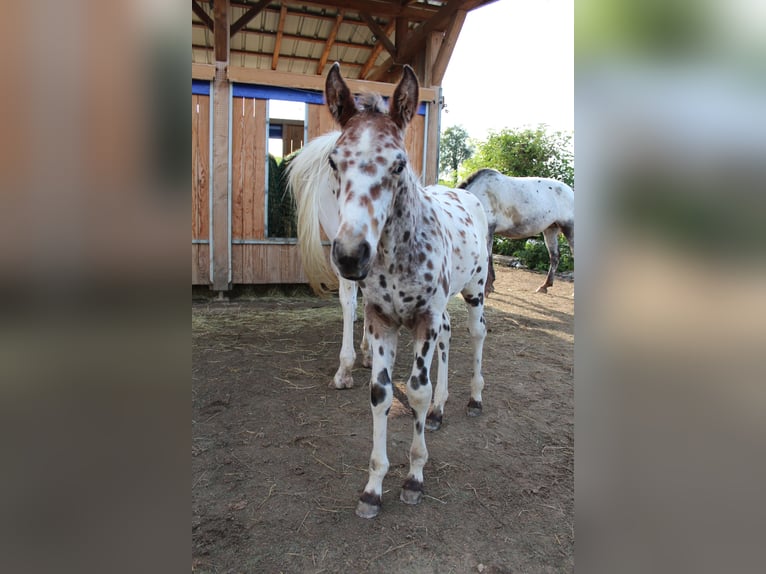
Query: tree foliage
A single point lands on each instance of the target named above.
(525, 153)
(454, 149)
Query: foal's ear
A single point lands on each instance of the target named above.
(338, 96)
(404, 104)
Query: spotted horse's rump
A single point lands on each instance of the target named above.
(519, 207)
(410, 249)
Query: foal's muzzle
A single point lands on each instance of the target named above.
(353, 261)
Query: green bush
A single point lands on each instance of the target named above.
(282, 213)
(533, 253)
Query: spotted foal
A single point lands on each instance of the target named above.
(410, 249)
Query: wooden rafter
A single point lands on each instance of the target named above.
(243, 20)
(202, 15)
(280, 30)
(419, 36)
(330, 42)
(385, 9)
(447, 47)
(379, 33)
(376, 51)
(402, 34)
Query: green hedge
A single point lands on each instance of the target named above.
(533, 253)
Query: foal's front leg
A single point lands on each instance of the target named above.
(419, 390)
(347, 293)
(383, 343)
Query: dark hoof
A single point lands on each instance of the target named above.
(412, 492)
(433, 422)
(474, 408)
(542, 289)
(368, 506)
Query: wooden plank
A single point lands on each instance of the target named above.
(203, 71)
(200, 167)
(402, 34)
(280, 30)
(268, 264)
(221, 30)
(202, 15)
(330, 42)
(257, 137)
(447, 47)
(238, 150)
(300, 81)
(413, 143)
(200, 264)
(320, 121)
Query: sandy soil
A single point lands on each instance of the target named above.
(279, 458)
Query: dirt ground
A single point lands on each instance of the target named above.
(279, 458)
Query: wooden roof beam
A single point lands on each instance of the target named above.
(419, 35)
(249, 15)
(221, 30)
(379, 33)
(278, 42)
(402, 34)
(447, 47)
(330, 42)
(375, 52)
(202, 15)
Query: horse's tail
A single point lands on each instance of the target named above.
(308, 174)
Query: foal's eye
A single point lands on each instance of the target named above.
(399, 167)
(332, 164)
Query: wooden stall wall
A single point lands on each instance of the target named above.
(248, 169)
(256, 257)
(200, 189)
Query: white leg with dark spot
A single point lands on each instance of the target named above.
(419, 392)
(478, 330)
(551, 236)
(347, 293)
(364, 347)
(441, 391)
(381, 398)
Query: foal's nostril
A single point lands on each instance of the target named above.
(363, 253)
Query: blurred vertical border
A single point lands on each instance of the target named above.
(94, 341)
(670, 430)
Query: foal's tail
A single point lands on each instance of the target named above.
(309, 176)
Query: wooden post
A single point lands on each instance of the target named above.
(434, 110)
(221, 247)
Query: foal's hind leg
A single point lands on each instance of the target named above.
(551, 236)
(489, 287)
(478, 330)
(364, 347)
(441, 390)
(347, 294)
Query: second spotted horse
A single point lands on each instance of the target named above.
(410, 249)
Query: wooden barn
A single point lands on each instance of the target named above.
(254, 63)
